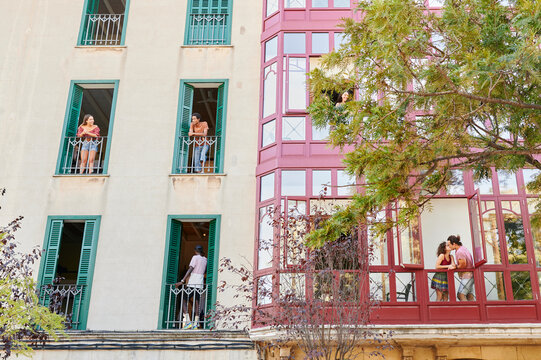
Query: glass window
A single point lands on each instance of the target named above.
(376, 242)
(484, 186)
(456, 186)
(435, 3)
(296, 78)
(507, 182)
(341, 3)
(405, 287)
(294, 43)
(271, 48)
(292, 286)
(266, 235)
(293, 183)
(320, 3)
(272, 6)
(269, 133)
(267, 187)
(320, 43)
(264, 290)
(293, 128)
(465, 282)
(514, 232)
(494, 285)
(521, 284)
(345, 179)
(437, 286)
(269, 90)
(320, 133)
(321, 182)
(379, 286)
(490, 228)
(529, 176)
(536, 231)
(438, 41)
(339, 40)
(294, 3)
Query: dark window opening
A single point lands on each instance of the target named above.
(70, 252)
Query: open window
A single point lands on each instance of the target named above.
(208, 22)
(67, 267)
(193, 299)
(103, 23)
(80, 155)
(409, 242)
(200, 154)
(477, 233)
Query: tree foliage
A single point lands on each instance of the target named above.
(23, 321)
(473, 73)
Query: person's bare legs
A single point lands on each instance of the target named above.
(461, 297)
(470, 297)
(439, 295)
(445, 296)
(84, 158)
(91, 157)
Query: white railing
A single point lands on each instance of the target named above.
(194, 148)
(102, 29)
(208, 29)
(71, 162)
(65, 300)
(187, 308)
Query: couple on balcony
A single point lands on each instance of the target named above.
(464, 260)
(199, 129)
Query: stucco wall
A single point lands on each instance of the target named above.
(37, 63)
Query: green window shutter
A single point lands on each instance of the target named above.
(185, 120)
(211, 264)
(218, 166)
(80, 307)
(171, 277)
(51, 252)
(72, 123)
(89, 27)
(208, 30)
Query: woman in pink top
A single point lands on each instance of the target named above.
(90, 134)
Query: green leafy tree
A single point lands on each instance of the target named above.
(23, 321)
(472, 70)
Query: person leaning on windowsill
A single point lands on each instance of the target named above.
(464, 260)
(199, 129)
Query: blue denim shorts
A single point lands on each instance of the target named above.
(89, 145)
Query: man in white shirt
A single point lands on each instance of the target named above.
(196, 282)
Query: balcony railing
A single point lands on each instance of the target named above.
(65, 300)
(187, 307)
(102, 29)
(191, 149)
(71, 161)
(208, 29)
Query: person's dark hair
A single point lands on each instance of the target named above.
(454, 239)
(197, 115)
(199, 250)
(85, 119)
(441, 248)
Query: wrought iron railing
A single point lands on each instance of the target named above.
(187, 308)
(208, 29)
(102, 29)
(191, 150)
(71, 162)
(64, 299)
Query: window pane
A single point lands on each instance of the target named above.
(490, 228)
(456, 187)
(494, 286)
(296, 93)
(272, 6)
(349, 286)
(320, 43)
(341, 3)
(405, 287)
(293, 128)
(269, 90)
(529, 176)
(465, 286)
(507, 182)
(410, 243)
(264, 290)
(438, 286)
(339, 40)
(435, 3)
(377, 243)
(320, 3)
(269, 133)
(321, 181)
(271, 48)
(265, 238)
(293, 183)
(536, 232)
(379, 287)
(294, 3)
(438, 41)
(521, 284)
(294, 43)
(322, 287)
(292, 287)
(320, 133)
(514, 234)
(345, 179)
(267, 187)
(484, 186)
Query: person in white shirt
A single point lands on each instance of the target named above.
(196, 282)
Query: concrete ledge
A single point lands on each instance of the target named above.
(204, 46)
(198, 174)
(81, 176)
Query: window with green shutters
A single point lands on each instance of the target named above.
(194, 153)
(96, 98)
(208, 22)
(67, 266)
(183, 233)
(103, 23)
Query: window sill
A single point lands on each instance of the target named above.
(102, 47)
(202, 174)
(81, 176)
(205, 46)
